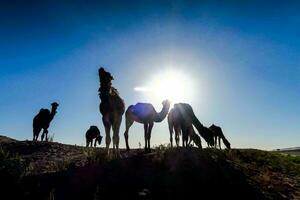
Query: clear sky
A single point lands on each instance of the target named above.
(241, 60)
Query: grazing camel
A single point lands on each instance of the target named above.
(188, 132)
(218, 134)
(146, 114)
(112, 108)
(182, 119)
(93, 133)
(42, 121)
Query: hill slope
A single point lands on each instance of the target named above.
(42, 170)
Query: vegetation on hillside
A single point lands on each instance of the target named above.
(43, 169)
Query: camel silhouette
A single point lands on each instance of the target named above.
(42, 121)
(218, 134)
(185, 127)
(91, 134)
(182, 119)
(146, 114)
(112, 107)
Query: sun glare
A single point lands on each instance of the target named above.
(172, 85)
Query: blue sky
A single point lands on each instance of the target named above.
(242, 57)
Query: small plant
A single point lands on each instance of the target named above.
(3, 154)
(51, 138)
(160, 151)
(11, 166)
(96, 156)
(64, 164)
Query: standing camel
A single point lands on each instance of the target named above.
(112, 108)
(182, 119)
(146, 114)
(42, 121)
(218, 134)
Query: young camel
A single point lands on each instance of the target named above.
(144, 113)
(112, 108)
(91, 134)
(218, 134)
(42, 121)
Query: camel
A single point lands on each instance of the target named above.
(182, 118)
(91, 134)
(146, 114)
(187, 129)
(112, 107)
(218, 134)
(42, 121)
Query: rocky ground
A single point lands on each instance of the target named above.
(49, 170)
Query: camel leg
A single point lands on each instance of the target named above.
(107, 126)
(36, 132)
(171, 139)
(215, 141)
(146, 135)
(129, 123)
(95, 143)
(220, 143)
(45, 133)
(171, 128)
(42, 136)
(107, 137)
(88, 142)
(116, 137)
(184, 136)
(177, 133)
(171, 133)
(149, 135)
(189, 139)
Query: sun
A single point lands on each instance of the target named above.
(174, 85)
(170, 85)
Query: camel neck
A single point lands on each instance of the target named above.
(162, 114)
(53, 112)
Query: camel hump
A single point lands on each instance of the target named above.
(94, 129)
(44, 112)
(142, 109)
(216, 129)
(92, 132)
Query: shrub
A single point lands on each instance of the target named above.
(11, 166)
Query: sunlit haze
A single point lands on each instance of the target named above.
(170, 84)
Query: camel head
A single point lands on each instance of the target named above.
(166, 103)
(54, 105)
(99, 139)
(227, 144)
(104, 75)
